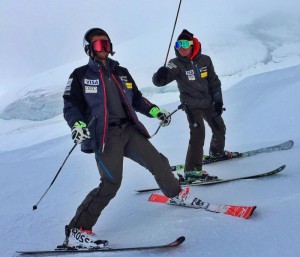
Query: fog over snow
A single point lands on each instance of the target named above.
(256, 53)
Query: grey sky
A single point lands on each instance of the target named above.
(38, 35)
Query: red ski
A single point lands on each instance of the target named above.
(233, 210)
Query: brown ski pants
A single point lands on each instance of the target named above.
(123, 140)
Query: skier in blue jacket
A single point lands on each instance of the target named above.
(104, 95)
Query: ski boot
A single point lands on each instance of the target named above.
(198, 176)
(77, 238)
(184, 197)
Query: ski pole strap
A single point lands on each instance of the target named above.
(178, 108)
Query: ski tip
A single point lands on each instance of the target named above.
(178, 241)
(288, 145)
(282, 167)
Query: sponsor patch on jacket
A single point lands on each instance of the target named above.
(203, 72)
(90, 90)
(190, 74)
(68, 87)
(171, 65)
(128, 85)
(124, 78)
(91, 82)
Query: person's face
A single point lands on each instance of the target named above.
(186, 52)
(100, 55)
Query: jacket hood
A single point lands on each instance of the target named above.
(196, 50)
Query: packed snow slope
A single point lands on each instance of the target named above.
(262, 110)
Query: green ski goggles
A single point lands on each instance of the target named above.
(183, 43)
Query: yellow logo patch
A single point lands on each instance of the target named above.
(128, 85)
(204, 74)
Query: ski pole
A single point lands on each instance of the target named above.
(172, 33)
(35, 206)
(178, 108)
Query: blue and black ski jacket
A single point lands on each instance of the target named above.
(85, 99)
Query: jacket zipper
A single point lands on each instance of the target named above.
(195, 66)
(105, 111)
(127, 104)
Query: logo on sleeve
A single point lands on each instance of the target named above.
(171, 65)
(68, 87)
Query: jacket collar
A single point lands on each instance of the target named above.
(96, 66)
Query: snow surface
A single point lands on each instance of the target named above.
(257, 58)
(261, 111)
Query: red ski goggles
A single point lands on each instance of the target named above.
(184, 44)
(101, 45)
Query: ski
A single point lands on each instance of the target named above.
(233, 210)
(259, 175)
(177, 242)
(207, 160)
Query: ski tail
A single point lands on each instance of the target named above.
(158, 198)
(232, 210)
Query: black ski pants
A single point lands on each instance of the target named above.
(194, 154)
(123, 141)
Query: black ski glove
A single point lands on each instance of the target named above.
(162, 74)
(218, 108)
